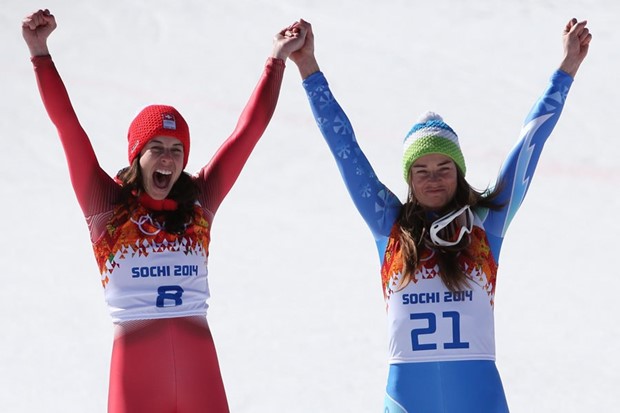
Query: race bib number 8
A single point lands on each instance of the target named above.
(169, 296)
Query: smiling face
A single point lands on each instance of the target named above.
(433, 180)
(161, 164)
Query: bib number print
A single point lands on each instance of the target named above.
(169, 296)
(424, 338)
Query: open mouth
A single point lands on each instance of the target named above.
(162, 178)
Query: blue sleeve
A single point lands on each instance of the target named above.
(518, 169)
(378, 206)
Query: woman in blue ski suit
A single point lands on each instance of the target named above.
(439, 250)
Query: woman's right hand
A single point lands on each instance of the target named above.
(36, 28)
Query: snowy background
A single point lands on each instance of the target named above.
(297, 310)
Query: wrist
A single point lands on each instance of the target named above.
(39, 50)
(279, 53)
(569, 67)
(307, 68)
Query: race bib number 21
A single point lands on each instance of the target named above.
(419, 339)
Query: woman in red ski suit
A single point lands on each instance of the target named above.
(150, 230)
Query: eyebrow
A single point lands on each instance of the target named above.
(157, 141)
(444, 163)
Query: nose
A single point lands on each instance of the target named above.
(166, 155)
(434, 176)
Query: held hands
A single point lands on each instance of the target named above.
(288, 40)
(304, 57)
(576, 39)
(297, 42)
(36, 28)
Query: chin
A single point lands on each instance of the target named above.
(158, 195)
(434, 206)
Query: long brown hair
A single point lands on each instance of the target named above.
(184, 191)
(414, 224)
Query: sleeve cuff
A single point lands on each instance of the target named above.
(315, 79)
(560, 76)
(41, 61)
(275, 62)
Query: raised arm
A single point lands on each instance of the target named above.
(90, 183)
(518, 169)
(375, 202)
(220, 174)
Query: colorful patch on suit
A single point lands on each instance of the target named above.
(478, 263)
(134, 232)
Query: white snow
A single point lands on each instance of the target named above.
(297, 310)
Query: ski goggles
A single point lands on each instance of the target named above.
(450, 229)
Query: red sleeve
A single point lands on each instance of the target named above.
(219, 175)
(93, 187)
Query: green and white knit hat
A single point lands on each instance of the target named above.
(429, 135)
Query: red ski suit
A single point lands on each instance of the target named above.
(163, 358)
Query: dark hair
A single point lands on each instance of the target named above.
(414, 225)
(184, 191)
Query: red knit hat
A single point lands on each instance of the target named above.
(157, 120)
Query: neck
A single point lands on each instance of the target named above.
(157, 204)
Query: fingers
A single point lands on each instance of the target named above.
(572, 22)
(575, 27)
(585, 36)
(296, 29)
(38, 19)
(300, 25)
(290, 28)
(580, 26)
(578, 30)
(290, 31)
(585, 39)
(307, 27)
